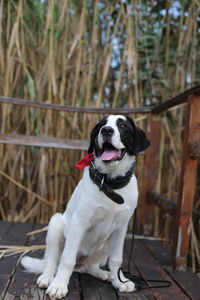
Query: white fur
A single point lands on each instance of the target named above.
(92, 228)
(33, 265)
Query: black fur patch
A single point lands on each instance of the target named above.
(134, 138)
(94, 134)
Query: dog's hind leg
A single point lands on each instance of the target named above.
(94, 264)
(97, 272)
(54, 244)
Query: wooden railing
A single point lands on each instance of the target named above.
(180, 210)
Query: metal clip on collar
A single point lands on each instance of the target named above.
(102, 182)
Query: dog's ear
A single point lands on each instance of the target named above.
(139, 141)
(93, 136)
(94, 133)
(142, 142)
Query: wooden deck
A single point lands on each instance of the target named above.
(150, 260)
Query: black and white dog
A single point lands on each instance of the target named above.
(92, 229)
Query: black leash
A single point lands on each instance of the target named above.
(139, 282)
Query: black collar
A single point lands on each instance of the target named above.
(107, 185)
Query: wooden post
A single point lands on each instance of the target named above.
(151, 162)
(187, 185)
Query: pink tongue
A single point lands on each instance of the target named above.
(108, 155)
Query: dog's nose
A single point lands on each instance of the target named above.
(107, 131)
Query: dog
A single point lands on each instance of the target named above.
(90, 233)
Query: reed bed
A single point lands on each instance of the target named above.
(98, 54)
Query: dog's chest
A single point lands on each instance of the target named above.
(102, 225)
(103, 222)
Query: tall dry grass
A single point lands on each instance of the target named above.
(89, 53)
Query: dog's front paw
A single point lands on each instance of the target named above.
(44, 281)
(57, 290)
(124, 287)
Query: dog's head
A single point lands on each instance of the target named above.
(116, 139)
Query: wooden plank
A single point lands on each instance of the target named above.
(159, 252)
(177, 100)
(188, 281)
(57, 107)
(33, 295)
(4, 229)
(151, 162)
(24, 285)
(150, 269)
(95, 289)
(166, 204)
(187, 184)
(144, 294)
(43, 141)
(15, 236)
(131, 296)
(74, 292)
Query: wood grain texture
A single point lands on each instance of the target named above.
(128, 263)
(150, 269)
(43, 141)
(16, 235)
(177, 100)
(188, 281)
(150, 174)
(95, 289)
(187, 184)
(79, 109)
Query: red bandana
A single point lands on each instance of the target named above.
(81, 164)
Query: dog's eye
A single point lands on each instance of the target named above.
(123, 125)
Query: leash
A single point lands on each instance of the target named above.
(139, 282)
